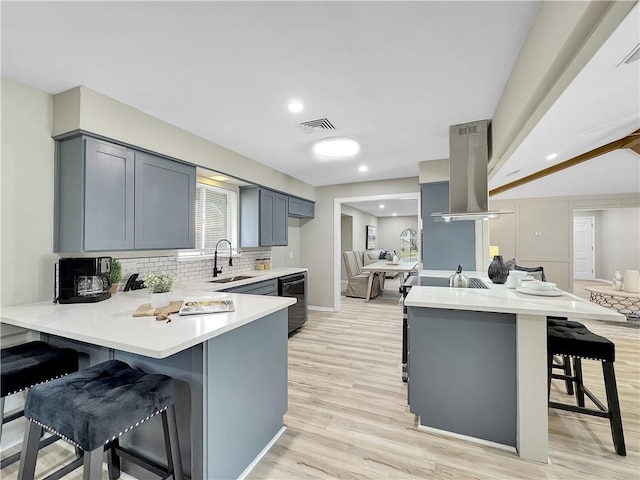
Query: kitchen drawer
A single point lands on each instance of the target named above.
(265, 287)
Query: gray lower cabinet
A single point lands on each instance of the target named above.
(264, 218)
(266, 287)
(109, 197)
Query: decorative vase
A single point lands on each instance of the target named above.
(631, 281)
(159, 300)
(498, 270)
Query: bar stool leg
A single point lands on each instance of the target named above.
(113, 460)
(92, 469)
(1, 417)
(577, 367)
(566, 362)
(170, 427)
(30, 444)
(613, 404)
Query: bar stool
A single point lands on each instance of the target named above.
(26, 365)
(573, 339)
(92, 408)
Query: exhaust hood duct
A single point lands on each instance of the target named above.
(468, 180)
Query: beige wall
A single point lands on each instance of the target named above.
(390, 228)
(321, 235)
(540, 232)
(84, 109)
(27, 261)
(289, 256)
(617, 240)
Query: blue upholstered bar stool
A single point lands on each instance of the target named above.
(573, 340)
(26, 365)
(92, 408)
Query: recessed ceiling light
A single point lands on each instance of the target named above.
(334, 148)
(363, 168)
(395, 214)
(552, 156)
(382, 205)
(295, 106)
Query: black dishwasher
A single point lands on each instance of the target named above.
(295, 286)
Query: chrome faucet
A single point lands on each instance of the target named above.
(217, 270)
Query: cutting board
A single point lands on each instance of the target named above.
(147, 311)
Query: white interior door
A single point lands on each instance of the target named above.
(584, 258)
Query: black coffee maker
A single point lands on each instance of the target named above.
(84, 280)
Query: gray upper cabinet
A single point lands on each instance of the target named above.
(263, 218)
(300, 208)
(110, 197)
(165, 193)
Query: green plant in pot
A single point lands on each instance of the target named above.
(159, 285)
(115, 276)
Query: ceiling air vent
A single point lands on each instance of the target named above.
(633, 56)
(318, 124)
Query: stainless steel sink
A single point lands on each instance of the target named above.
(231, 279)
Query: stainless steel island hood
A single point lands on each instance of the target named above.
(468, 181)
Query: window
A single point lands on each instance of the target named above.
(216, 218)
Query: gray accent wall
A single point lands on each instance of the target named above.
(445, 244)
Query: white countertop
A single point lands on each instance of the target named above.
(498, 298)
(110, 324)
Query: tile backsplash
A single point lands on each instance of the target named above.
(190, 268)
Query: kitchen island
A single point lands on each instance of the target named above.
(230, 368)
(477, 361)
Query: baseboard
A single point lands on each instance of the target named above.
(321, 309)
(262, 453)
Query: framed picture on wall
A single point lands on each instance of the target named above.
(371, 237)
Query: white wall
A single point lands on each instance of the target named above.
(390, 228)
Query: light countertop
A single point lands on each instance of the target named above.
(499, 298)
(110, 323)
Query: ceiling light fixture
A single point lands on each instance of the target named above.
(363, 168)
(219, 178)
(334, 148)
(552, 156)
(295, 106)
(382, 205)
(395, 214)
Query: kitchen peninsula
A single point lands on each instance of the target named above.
(230, 367)
(477, 361)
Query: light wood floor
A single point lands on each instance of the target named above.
(348, 416)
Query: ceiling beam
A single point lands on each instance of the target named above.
(631, 141)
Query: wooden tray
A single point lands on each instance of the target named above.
(147, 311)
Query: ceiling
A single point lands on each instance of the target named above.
(601, 105)
(393, 207)
(393, 75)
